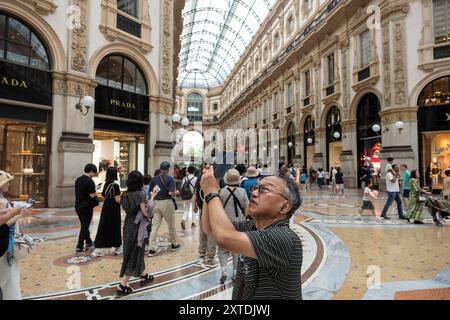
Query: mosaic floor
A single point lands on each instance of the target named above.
(345, 257)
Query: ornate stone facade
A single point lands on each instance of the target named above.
(78, 44)
(166, 47)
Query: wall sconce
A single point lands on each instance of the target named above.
(399, 125)
(175, 121)
(290, 145)
(376, 128)
(309, 140)
(85, 102)
(336, 135)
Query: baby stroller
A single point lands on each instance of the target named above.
(439, 209)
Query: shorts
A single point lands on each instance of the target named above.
(406, 193)
(367, 205)
(303, 182)
(340, 186)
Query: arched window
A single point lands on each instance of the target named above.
(276, 41)
(436, 93)
(18, 43)
(121, 73)
(195, 107)
(334, 124)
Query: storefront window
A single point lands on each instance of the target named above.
(23, 148)
(19, 44)
(334, 137)
(434, 132)
(309, 142)
(369, 141)
(436, 93)
(119, 72)
(124, 151)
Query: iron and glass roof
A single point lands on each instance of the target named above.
(215, 34)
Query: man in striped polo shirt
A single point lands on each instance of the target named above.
(270, 252)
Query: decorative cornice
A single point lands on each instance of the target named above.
(43, 7)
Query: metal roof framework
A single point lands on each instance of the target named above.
(215, 34)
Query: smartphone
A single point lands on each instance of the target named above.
(156, 189)
(22, 204)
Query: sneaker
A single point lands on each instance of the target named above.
(209, 262)
(183, 225)
(118, 251)
(79, 250)
(418, 222)
(89, 246)
(151, 253)
(386, 218)
(98, 253)
(175, 247)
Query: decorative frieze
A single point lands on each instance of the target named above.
(399, 62)
(387, 64)
(78, 44)
(345, 81)
(391, 116)
(166, 41)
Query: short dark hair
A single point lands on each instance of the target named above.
(191, 169)
(147, 179)
(135, 181)
(241, 168)
(111, 174)
(157, 172)
(90, 168)
(390, 159)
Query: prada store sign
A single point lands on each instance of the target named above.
(122, 104)
(435, 118)
(22, 83)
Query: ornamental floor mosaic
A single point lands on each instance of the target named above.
(345, 257)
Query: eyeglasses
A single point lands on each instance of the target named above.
(262, 189)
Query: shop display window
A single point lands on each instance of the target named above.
(436, 157)
(23, 148)
(126, 152)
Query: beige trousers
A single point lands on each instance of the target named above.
(207, 246)
(163, 209)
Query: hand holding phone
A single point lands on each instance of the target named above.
(156, 189)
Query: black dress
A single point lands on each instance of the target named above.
(133, 256)
(109, 233)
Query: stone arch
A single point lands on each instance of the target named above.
(305, 116)
(191, 91)
(131, 53)
(286, 128)
(414, 96)
(43, 29)
(357, 100)
(326, 110)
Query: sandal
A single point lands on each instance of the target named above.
(124, 290)
(146, 279)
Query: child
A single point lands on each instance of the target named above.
(367, 204)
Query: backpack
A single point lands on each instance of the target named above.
(186, 190)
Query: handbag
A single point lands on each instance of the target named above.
(29, 168)
(23, 245)
(167, 189)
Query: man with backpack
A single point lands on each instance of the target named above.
(234, 201)
(187, 192)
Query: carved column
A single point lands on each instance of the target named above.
(78, 43)
(345, 78)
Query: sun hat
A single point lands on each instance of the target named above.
(232, 177)
(5, 178)
(251, 172)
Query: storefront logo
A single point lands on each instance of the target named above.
(442, 150)
(13, 82)
(448, 116)
(121, 104)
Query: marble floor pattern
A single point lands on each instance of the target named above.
(345, 257)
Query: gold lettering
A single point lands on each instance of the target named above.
(13, 82)
(122, 104)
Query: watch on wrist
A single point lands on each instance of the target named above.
(211, 196)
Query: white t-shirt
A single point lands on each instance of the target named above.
(388, 167)
(192, 181)
(333, 175)
(367, 192)
(392, 186)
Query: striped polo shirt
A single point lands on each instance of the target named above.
(276, 271)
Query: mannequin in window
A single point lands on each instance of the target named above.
(435, 171)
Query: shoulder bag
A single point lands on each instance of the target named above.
(167, 189)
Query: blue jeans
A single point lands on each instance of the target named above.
(391, 197)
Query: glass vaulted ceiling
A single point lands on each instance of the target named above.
(215, 34)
